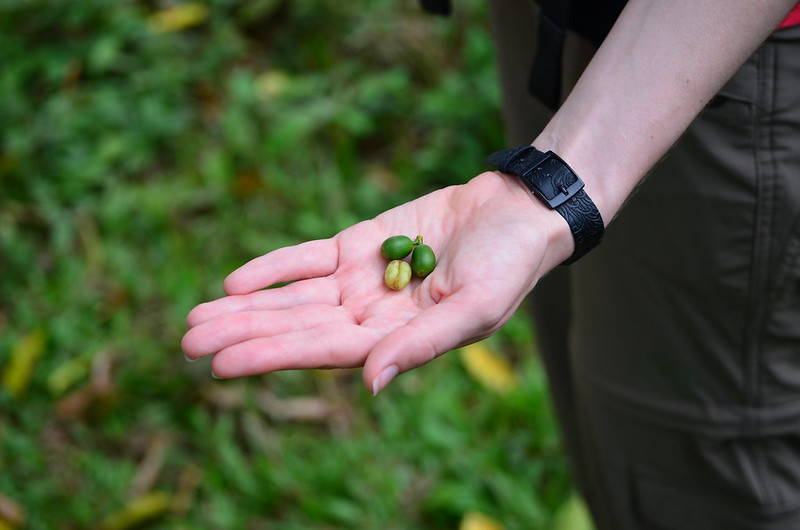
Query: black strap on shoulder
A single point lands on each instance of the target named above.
(437, 7)
(592, 19)
(544, 81)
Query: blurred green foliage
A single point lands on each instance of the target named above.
(139, 164)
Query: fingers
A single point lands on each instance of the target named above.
(440, 328)
(333, 345)
(314, 291)
(234, 328)
(306, 260)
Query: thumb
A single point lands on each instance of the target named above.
(437, 330)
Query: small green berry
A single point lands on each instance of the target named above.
(423, 260)
(397, 247)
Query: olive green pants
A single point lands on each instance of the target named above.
(673, 348)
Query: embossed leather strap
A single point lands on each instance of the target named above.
(557, 185)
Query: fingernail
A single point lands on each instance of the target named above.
(215, 376)
(189, 359)
(384, 378)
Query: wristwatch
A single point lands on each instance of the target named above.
(557, 185)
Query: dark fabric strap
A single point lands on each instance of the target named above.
(592, 19)
(437, 7)
(557, 185)
(544, 81)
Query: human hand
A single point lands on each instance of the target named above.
(492, 242)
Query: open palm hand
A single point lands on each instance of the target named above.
(492, 244)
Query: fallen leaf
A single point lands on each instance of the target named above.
(24, 356)
(383, 178)
(488, 367)
(228, 396)
(95, 398)
(573, 515)
(92, 246)
(179, 17)
(188, 484)
(66, 374)
(12, 515)
(151, 465)
(478, 521)
(306, 408)
(246, 183)
(272, 84)
(138, 511)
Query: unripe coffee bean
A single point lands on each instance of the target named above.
(397, 275)
(397, 247)
(423, 260)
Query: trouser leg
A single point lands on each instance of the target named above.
(696, 291)
(685, 330)
(650, 477)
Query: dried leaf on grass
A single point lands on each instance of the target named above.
(140, 510)
(323, 409)
(259, 434)
(179, 17)
(12, 514)
(24, 356)
(383, 178)
(478, 521)
(307, 408)
(247, 183)
(93, 399)
(272, 84)
(334, 387)
(67, 374)
(488, 367)
(227, 396)
(151, 465)
(188, 484)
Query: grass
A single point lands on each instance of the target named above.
(146, 150)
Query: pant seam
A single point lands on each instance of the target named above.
(765, 200)
(766, 186)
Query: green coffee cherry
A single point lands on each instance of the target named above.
(423, 260)
(397, 275)
(397, 247)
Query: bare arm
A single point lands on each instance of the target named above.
(660, 65)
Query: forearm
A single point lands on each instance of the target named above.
(657, 69)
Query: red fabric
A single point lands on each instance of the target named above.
(792, 19)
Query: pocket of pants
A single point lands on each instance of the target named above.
(670, 503)
(780, 379)
(733, 103)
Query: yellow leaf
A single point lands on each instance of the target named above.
(24, 356)
(488, 367)
(67, 374)
(573, 515)
(138, 511)
(478, 521)
(179, 17)
(272, 84)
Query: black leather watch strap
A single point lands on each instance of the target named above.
(557, 185)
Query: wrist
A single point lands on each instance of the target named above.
(594, 169)
(557, 187)
(559, 239)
